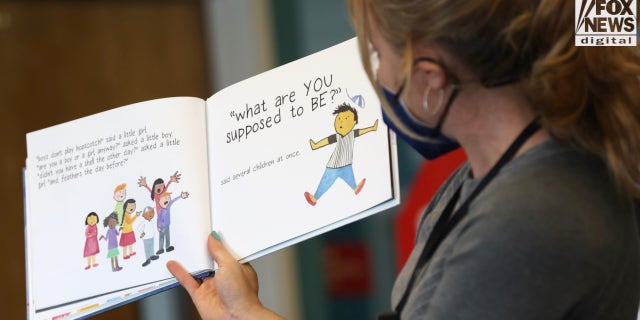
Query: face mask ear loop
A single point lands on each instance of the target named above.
(438, 127)
(396, 97)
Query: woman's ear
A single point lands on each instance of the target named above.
(432, 73)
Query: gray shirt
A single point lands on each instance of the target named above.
(549, 238)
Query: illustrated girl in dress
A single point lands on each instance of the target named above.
(128, 238)
(112, 240)
(91, 247)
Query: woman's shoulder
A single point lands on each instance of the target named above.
(555, 195)
(555, 174)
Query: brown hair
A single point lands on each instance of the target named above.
(586, 96)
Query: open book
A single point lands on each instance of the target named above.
(111, 197)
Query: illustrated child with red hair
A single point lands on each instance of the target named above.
(119, 194)
(164, 220)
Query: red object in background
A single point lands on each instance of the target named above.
(425, 184)
(347, 269)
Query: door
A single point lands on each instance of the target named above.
(60, 60)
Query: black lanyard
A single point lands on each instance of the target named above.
(446, 222)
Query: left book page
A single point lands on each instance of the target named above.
(111, 198)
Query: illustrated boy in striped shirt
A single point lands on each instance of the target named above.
(340, 163)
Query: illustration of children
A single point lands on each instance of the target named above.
(91, 247)
(128, 238)
(340, 163)
(164, 220)
(147, 231)
(158, 187)
(119, 194)
(112, 240)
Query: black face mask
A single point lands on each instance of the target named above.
(435, 143)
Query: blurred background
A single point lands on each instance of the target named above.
(61, 60)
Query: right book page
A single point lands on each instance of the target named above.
(297, 151)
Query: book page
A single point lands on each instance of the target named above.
(97, 304)
(92, 225)
(297, 151)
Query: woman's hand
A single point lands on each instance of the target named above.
(231, 293)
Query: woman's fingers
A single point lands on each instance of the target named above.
(218, 251)
(186, 280)
(219, 254)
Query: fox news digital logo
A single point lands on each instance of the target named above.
(606, 22)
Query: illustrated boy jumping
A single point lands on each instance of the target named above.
(340, 163)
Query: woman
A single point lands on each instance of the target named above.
(541, 222)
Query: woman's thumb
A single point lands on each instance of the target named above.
(217, 250)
